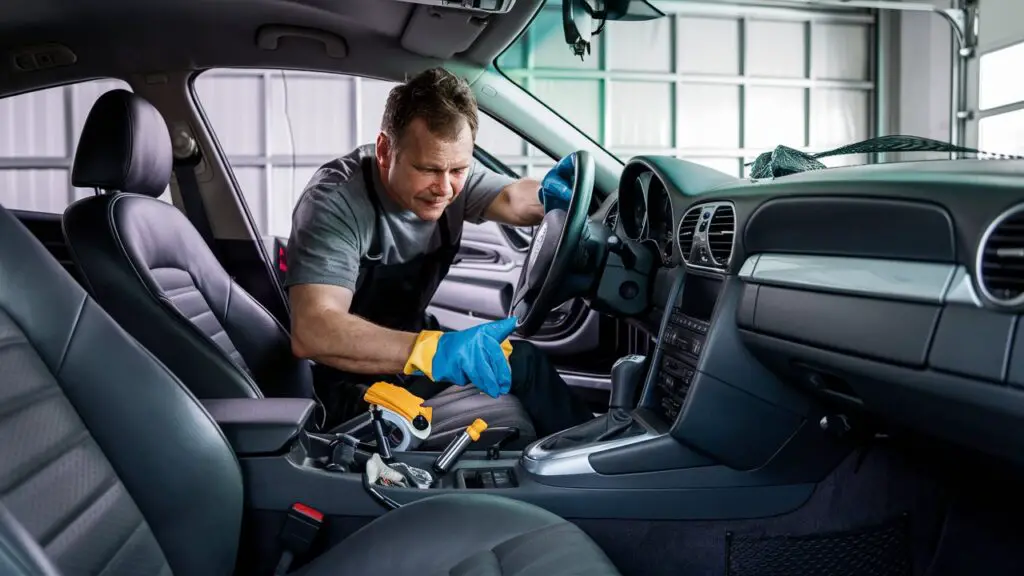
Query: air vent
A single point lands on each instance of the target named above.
(611, 218)
(687, 226)
(1000, 266)
(720, 234)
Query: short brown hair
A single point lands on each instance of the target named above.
(437, 96)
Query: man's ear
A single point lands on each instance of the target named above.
(383, 153)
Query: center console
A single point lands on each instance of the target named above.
(681, 345)
(695, 430)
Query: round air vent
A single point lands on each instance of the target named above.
(687, 227)
(1000, 264)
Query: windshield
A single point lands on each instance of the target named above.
(722, 86)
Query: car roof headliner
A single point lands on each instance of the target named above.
(126, 38)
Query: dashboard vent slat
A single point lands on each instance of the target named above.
(721, 231)
(1000, 265)
(687, 227)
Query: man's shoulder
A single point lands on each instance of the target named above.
(338, 185)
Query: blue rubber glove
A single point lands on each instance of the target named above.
(477, 356)
(556, 187)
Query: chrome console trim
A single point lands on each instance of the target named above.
(540, 462)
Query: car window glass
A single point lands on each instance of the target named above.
(38, 141)
(276, 128)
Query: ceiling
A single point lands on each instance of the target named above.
(121, 38)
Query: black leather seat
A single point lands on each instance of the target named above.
(151, 270)
(108, 465)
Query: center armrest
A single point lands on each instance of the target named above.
(260, 425)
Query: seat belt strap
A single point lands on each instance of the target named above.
(195, 211)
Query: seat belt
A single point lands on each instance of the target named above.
(195, 210)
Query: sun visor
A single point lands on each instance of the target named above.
(442, 33)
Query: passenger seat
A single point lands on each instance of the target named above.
(150, 269)
(108, 465)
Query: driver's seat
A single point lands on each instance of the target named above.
(151, 270)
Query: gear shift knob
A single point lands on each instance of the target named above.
(627, 373)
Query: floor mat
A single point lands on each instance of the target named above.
(880, 550)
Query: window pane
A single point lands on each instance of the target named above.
(838, 117)
(549, 47)
(373, 95)
(539, 170)
(1002, 134)
(708, 46)
(497, 139)
(640, 45)
(318, 108)
(35, 190)
(576, 100)
(250, 180)
(730, 166)
(774, 116)
(286, 187)
(41, 130)
(709, 116)
(775, 49)
(642, 114)
(34, 125)
(840, 51)
(234, 105)
(1000, 81)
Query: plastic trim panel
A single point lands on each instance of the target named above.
(892, 279)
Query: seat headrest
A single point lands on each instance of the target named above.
(125, 146)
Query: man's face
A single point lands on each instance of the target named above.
(426, 173)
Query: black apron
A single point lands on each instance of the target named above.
(395, 296)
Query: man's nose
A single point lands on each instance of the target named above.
(443, 184)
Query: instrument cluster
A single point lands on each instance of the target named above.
(646, 215)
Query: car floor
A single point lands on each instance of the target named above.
(894, 509)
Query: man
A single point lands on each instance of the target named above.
(373, 235)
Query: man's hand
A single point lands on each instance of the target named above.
(324, 331)
(477, 356)
(556, 187)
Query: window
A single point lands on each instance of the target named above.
(1001, 100)
(37, 145)
(277, 127)
(711, 87)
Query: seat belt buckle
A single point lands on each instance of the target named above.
(297, 535)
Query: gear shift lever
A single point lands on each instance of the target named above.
(627, 373)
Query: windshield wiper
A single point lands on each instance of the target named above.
(784, 160)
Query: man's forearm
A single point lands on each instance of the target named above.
(348, 342)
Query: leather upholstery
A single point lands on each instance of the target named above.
(124, 146)
(464, 535)
(150, 269)
(112, 467)
(105, 459)
(456, 407)
(20, 555)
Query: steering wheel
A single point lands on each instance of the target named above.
(553, 251)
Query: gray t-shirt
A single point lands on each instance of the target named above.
(334, 224)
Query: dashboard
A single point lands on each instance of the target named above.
(889, 291)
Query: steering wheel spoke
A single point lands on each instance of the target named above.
(554, 252)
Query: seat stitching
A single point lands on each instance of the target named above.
(71, 335)
(41, 461)
(124, 545)
(162, 301)
(77, 510)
